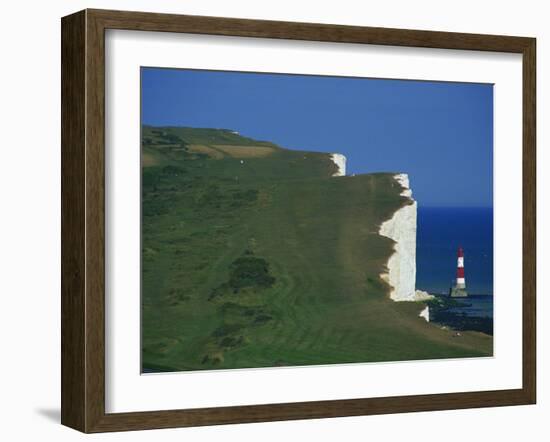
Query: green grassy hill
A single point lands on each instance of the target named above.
(254, 256)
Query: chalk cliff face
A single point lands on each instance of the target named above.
(340, 161)
(401, 227)
(425, 314)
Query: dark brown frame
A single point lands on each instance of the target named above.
(83, 216)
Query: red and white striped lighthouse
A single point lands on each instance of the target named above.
(460, 280)
(458, 290)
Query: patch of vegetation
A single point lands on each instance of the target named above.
(173, 170)
(177, 295)
(231, 342)
(193, 135)
(226, 330)
(242, 198)
(249, 271)
(262, 319)
(246, 272)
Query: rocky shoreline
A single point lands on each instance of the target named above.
(441, 312)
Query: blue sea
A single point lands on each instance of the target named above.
(440, 232)
(480, 306)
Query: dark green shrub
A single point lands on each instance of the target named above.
(249, 271)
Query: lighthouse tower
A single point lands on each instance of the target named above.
(459, 289)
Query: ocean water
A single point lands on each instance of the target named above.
(475, 305)
(440, 231)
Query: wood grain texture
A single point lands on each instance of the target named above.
(83, 220)
(73, 129)
(95, 222)
(529, 221)
(144, 21)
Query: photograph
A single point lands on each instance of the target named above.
(292, 220)
(243, 221)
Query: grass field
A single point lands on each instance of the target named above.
(253, 256)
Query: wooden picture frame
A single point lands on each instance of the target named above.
(83, 220)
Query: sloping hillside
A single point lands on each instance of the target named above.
(254, 255)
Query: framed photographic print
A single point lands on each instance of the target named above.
(270, 220)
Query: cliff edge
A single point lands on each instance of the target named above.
(340, 161)
(401, 228)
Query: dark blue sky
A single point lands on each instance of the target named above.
(440, 133)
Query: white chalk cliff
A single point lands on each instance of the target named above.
(425, 314)
(340, 161)
(401, 227)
